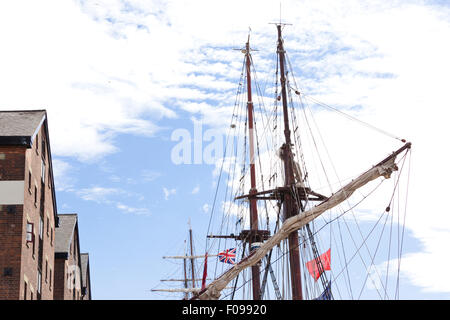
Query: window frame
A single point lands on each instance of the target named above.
(41, 228)
(30, 232)
(39, 282)
(43, 171)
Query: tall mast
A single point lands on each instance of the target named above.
(186, 294)
(186, 280)
(192, 254)
(253, 205)
(295, 216)
(290, 207)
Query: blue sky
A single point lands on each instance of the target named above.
(119, 77)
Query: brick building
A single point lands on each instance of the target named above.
(28, 215)
(68, 282)
(85, 277)
(28, 212)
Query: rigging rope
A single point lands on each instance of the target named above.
(285, 253)
(351, 117)
(244, 170)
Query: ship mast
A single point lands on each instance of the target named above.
(186, 294)
(193, 290)
(290, 195)
(192, 254)
(290, 207)
(253, 205)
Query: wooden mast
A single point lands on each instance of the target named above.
(253, 205)
(186, 294)
(192, 254)
(290, 207)
(186, 280)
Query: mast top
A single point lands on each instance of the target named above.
(247, 49)
(280, 23)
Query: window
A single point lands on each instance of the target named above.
(43, 149)
(48, 226)
(50, 280)
(29, 181)
(41, 228)
(37, 143)
(43, 171)
(39, 280)
(7, 271)
(30, 232)
(25, 291)
(51, 237)
(46, 271)
(35, 196)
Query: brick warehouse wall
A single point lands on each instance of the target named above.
(12, 161)
(60, 278)
(35, 157)
(10, 254)
(68, 281)
(74, 291)
(20, 164)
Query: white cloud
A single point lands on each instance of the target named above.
(61, 175)
(91, 83)
(98, 194)
(110, 196)
(168, 192)
(150, 175)
(128, 209)
(196, 189)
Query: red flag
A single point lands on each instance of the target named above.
(205, 272)
(313, 269)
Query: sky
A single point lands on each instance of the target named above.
(119, 78)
